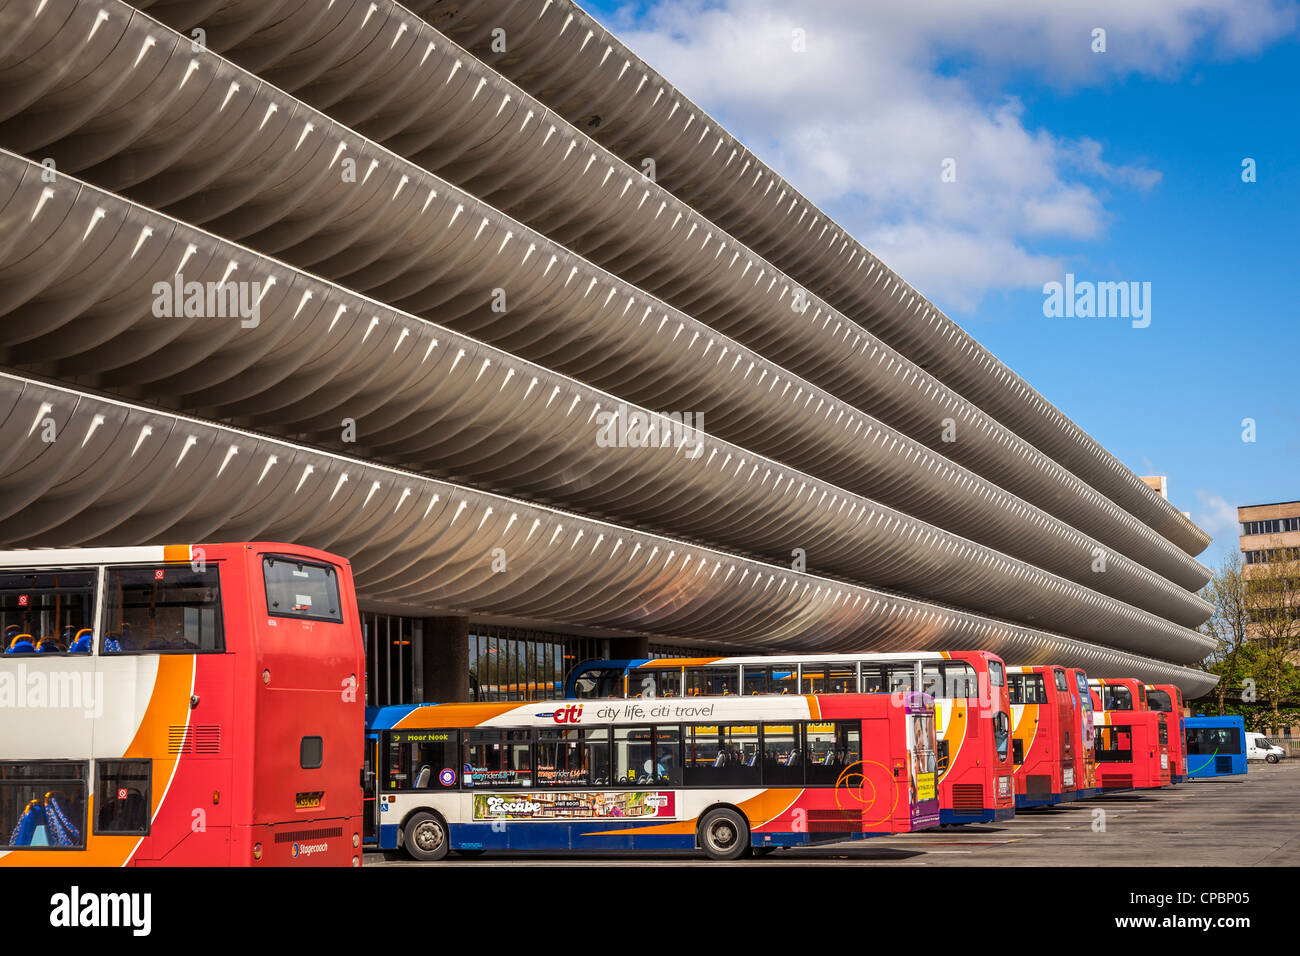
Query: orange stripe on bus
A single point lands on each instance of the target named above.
(676, 662)
(176, 552)
(462, 715)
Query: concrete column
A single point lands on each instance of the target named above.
(629, 647)
(446, 659)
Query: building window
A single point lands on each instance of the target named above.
(392, 659)
(515, 664)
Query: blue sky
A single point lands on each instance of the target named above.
(1122, 165)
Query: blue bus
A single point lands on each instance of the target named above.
(1216, 746)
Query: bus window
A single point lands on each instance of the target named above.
(1159, 700)
(563, 753)
(301, 590)
(996, 674)
(600, 683)
(421, 760)
(812, 679)
(162, 608)
(930, 681)
(841, 679)
(1081, 680)
(711, 681)
(776, 679)
(873, 679)
(666, 682)
(497, 759)
(1060, 679)
(900, 677)
(1114, 744)
(42, 804)
(1116, 697)
(1211, 741)
(633, 755)
(47, 612)
(782, 764)
(721, 756)
(122, 796)
(668, 757)
(1026, 689)
(960, 680)
(831, 746)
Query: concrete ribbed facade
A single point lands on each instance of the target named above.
(476, 278)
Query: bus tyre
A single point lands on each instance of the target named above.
(724, 834)
(425, 837)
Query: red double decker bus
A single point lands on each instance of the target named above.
(1168, 700)
(1045, 733)
(976, 774)
(188, 705)
(1131, 741)
(1085, 755)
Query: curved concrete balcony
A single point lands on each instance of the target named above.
(79, 469)
(318, 356)
(220, 147)
(568, 60)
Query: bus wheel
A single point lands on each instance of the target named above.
(723, 834)
(426, 837)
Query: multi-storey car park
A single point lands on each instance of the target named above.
(459, 272)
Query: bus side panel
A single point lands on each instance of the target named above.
(193, 783)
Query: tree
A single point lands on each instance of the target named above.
(1228, 625)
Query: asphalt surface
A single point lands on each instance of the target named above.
(1228, 821)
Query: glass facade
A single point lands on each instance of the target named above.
(505, 663)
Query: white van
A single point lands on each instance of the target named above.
(1259, 747)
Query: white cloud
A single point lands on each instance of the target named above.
(1215, 514)
(862, 121)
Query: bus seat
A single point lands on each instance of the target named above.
(422, 778)
(64, 831)
(29, 821)
(21, 644)
(82, 642)
(720, 760)
(49, 644)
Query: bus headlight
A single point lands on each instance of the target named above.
(257, 851)
(356, 861)
(356, 839)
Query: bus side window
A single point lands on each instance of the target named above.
(42, 804)
(167, 607)
(122, 796)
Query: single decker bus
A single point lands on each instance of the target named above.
(729, 776)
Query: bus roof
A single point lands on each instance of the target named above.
(595, 711)
(773, 658)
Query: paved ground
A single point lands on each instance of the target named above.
(1231, 821)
